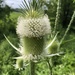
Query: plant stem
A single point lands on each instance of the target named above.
(50, 67)
(57, 20)
(67, 41)
(32, 68)
(71, 21)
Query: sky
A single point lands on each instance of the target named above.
(13, 3)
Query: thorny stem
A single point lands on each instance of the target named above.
(73, 16)
(57, 15)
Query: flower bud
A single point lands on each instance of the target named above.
(53, 48)
(19, 63)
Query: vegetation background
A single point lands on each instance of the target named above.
(65, 65)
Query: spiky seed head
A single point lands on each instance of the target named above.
(33, 27)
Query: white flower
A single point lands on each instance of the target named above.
(33, 27)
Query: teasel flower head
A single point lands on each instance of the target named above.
(32, 27)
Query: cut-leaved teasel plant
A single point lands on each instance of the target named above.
(32, 28)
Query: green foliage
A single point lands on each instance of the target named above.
(66, 67)
(42, 68)
(6, 23)
(67, 8)
(6, 57)
(7, 26)
(14, 15)
(4, 10)
(9, 69)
